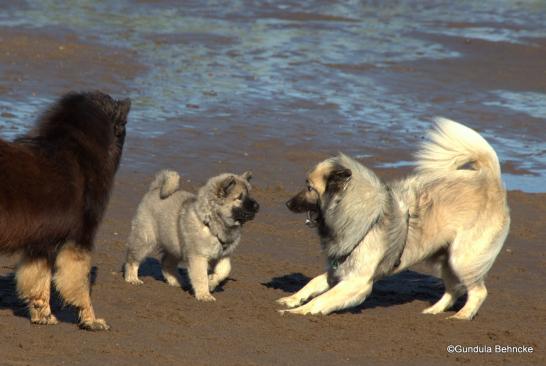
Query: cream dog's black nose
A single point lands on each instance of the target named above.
(256, 206)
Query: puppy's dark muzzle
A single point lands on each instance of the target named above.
(248, 211)
(251, 206)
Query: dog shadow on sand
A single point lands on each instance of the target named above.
(398, 289)
(10, 300)
(151, 268)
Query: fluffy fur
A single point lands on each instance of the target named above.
(200, 231)
(451, 213)
(54, 188)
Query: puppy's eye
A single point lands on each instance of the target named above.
(239, 197)
(309, 188)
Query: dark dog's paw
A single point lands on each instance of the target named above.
(95, 325)
(46, 320)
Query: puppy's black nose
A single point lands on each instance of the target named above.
(255, 206)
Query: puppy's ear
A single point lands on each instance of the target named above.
(226, 186)
(247, 175)
(338, 179)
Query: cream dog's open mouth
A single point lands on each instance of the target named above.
(312, 219)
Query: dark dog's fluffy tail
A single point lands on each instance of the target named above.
(167, 182)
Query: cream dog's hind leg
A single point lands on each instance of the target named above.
(477, 293)
(316, 286)
(345, 294)
(453, 290)
(472, 255)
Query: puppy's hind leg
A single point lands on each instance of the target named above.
(139, 246)
(73, 265)
(198, 273)
(220, 273)
(316, 286)
(33, 279)
(169, 269)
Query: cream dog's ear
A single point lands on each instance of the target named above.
(338, 179)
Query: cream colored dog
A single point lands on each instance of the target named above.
(452, 213)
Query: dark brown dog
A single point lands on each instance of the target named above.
(54, 188)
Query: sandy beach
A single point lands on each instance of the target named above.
(206, 135)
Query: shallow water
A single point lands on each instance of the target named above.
(336, 75)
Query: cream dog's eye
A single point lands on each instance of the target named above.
(239, 197)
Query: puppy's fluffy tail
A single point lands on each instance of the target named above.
(167, 182)
(452, 146)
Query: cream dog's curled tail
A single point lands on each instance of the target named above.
(167, 182)
(452, 146)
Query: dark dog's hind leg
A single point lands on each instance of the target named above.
(72, 266)
(33, 279)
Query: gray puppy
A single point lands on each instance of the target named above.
(200, 231)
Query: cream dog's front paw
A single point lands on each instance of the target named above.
(289, 301)
(302, 310)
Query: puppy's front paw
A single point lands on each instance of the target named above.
(205, 297)
(132, 278)
(289, 301)
(134, 281)
(95, 325)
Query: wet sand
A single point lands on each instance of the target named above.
(59, 59)
(158, 324)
